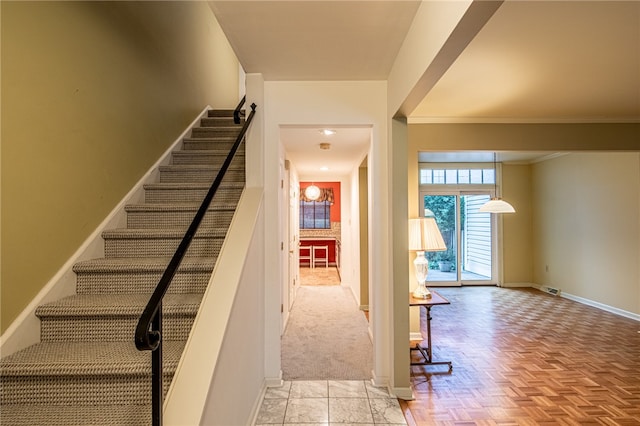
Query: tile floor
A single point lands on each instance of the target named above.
(329, 402)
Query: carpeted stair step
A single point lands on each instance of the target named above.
(178, 216)
(73, 415)
(220, 122)
(213, 132)
(199, 173)
(83, 374)
(129, 276)
(160, 243)
(212, 157)
(222, 143)
(113, 317)
(224, 113)
(190, 193)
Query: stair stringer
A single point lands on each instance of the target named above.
(24, 331)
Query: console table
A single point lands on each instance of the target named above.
(427, 304)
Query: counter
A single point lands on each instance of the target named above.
(332, 243)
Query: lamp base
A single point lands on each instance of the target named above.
(421, 292)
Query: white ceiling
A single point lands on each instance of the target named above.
(546, 61)
(316, 40)
(348, 147)
(534, 61)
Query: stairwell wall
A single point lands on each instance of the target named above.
(92, 94)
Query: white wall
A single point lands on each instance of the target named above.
(239, 373)
(219, 365)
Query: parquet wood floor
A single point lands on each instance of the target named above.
(523, 357)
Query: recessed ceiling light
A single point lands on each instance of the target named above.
(328, 132)
(324, 168)
(325, 146)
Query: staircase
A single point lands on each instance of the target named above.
(86, 370)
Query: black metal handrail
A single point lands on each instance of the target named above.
(236, 112)
(148, 335)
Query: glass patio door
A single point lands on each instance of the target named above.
(469, 236)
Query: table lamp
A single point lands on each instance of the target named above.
(424, 235)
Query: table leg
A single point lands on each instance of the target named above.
(427, 352)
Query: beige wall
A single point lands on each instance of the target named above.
(544, 229)
(92, 94)
(586, 208)
(517, 232)
(516, 242)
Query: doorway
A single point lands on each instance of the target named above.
(469, 236)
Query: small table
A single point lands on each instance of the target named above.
(434, 300)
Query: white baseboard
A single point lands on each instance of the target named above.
(255, 409)
(403, 393)
(384, 382)
(24, 331)
(518, 285)
(267, 383)
(594, 304)
(274, 382)
(602, 306)
(379, 381)
(416, 335)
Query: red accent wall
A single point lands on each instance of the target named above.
(335, 208)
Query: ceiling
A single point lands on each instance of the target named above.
(533, 61)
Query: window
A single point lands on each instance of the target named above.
(455, 176)
(315, 215)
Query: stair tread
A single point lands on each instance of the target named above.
(124, 233)
(221, 112)
(187, 185)
(87, 358)
(192, 167)
(118, 304)
(142, 264)
(66, 415)
(178, 207)
(209, 140)
(191, 152)
(236, 127)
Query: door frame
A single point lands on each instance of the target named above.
(458, 191)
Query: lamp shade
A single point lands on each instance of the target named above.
(496, 205)
(424, 235)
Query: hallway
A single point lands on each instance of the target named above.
(327, 335)
(327, 358)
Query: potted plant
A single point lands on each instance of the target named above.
(445, 261)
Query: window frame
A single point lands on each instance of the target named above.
(315, 205)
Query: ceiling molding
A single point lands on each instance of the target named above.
(510, 120)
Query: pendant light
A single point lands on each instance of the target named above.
(312, 192)
(496, 204)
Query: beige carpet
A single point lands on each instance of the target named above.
(326, 337)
